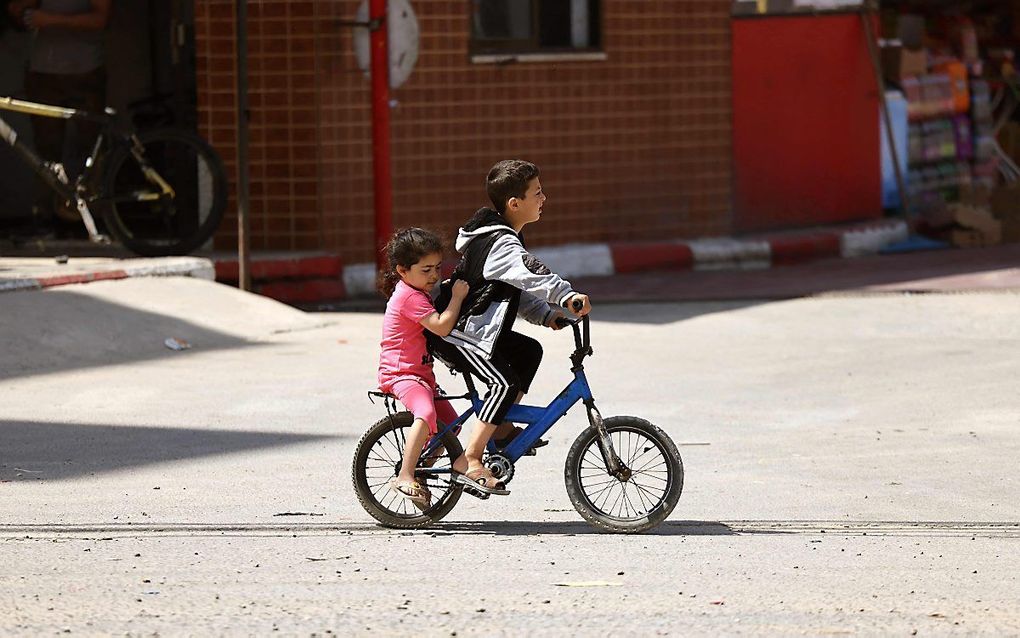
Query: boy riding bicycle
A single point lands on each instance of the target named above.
(505, 280)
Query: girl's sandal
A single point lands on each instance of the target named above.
(416, 491)
(481, 480)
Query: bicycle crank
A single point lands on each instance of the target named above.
(500, 466)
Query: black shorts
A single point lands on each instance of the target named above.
(510, 370)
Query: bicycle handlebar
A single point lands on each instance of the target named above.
(582, 334)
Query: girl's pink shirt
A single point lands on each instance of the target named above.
(404, 355)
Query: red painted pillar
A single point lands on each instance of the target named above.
(383, 187)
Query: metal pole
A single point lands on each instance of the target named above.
(383, 188)
(876, 67)
(243, 221)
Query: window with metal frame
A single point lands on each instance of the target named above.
(535, 26)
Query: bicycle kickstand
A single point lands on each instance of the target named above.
(90, 223)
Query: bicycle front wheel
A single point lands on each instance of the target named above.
(646, 497)
(166, 198)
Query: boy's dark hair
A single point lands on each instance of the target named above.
(507, 179)
(406, 248)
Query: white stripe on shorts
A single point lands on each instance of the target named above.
(487, 370)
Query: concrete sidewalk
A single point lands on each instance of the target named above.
(33, 273)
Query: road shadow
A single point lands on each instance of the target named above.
(40, 450)
(46, 332)
(572, 528)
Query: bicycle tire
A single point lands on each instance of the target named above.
(374, 497)
(585, 447)
(174, 226)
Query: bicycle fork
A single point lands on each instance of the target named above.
(614, 465)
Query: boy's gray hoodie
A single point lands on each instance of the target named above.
(505, 280)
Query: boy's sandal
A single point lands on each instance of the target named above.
(481, 480)
(502, 443)
(416, 491)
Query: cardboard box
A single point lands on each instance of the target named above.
(899, 63)
(911, 30)
(1005, 203)
(966, 238)
(974, 226)
(975, 218)
(976, 194)
(969, 238)
(1009, 139)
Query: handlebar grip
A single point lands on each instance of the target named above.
(577, 305)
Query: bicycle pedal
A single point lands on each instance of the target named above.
(476, 493)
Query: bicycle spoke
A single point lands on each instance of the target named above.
(624, 509)
(647, 467)
(396, 442)
(595, 486)
(594, 496)
(598, 462)
(630, 503)
(637, 458)
(650, 475)
(382, 448)
(388, 461)
(646, 492)
(612, 508)
(649, 505)
(652, 499)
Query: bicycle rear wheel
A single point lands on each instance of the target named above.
(648, 495)
(377, 460)
(149, 221)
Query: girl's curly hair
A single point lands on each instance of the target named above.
(406, 248)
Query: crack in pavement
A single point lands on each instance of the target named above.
(975, 529)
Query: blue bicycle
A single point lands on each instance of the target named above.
(623, 474)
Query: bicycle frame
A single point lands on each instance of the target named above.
(540, 419)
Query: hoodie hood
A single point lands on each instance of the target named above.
(483, 222)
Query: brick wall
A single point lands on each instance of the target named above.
(634, 147)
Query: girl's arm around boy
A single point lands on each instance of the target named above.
(441, 323)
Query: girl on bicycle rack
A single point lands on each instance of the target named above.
(405, 367)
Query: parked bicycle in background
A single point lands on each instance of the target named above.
(158, 192)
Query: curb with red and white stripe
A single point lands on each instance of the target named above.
(588, 260)
(87, 270)
(322, 277)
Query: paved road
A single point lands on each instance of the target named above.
(849, 469)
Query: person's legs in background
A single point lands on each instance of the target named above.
(55, 141)
(48, 132)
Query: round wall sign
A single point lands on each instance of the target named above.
(403, 40)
